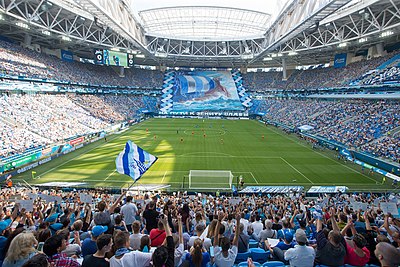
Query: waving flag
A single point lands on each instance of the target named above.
(234, 189)
(134, 161)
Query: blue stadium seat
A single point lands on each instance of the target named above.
(273, 264)
(244, 264)
(253, 243)
(259, 255)
(242, 257)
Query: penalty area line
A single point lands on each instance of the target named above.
(325, 156)
(254, 177)
(296, 170)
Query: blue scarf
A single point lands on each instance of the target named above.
(121, 251)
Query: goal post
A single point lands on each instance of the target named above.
(210, 179)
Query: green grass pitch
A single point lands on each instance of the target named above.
(263, 155)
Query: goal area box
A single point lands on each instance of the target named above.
(210, 179)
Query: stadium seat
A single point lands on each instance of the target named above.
(273, 264)
(253, 243)
(242, 257)
(259, 255)
(244, 264)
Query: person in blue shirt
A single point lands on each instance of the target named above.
(278, 251)
(89, 244)
(3, 240)
(198, 256)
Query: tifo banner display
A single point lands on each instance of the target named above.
(272, 189)
(205, 90)
(67, 55)
(340, 60)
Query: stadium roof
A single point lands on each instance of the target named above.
(207, 19)
(204, 23)
(297, 31)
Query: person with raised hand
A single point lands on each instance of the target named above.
(331, 249)
(163, 256)
(179, 248)
(224, 254)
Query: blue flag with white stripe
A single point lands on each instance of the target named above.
(134, 161)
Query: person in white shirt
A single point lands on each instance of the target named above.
(124, 257)
(301, 255)
(224, 255)
(245, 223)
(257, 225)
(134, 239)
(129, 210)
(199, 231)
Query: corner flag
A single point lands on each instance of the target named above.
(134, 161)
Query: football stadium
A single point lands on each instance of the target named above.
(198, 133)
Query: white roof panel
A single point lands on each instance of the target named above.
(204, 23)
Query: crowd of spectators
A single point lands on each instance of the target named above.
(16, 60)
(385, 76)
(320, 77)
(110, 108)
(362, 124)
(196, 230)
(34, 120)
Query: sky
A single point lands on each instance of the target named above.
(267, 6)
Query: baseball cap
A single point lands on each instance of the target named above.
(98, 230)
(301, 236)
(52, 218)
(56, 226)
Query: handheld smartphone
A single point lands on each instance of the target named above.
(212, 251)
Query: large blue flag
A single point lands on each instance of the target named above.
(134, 161)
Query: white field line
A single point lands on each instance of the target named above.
(297, 170)
(254, 177)
(110, 175)
(162, 181)
(56, 167)
(299, 143)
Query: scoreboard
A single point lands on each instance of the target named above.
(113, 58)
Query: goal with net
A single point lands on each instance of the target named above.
(210, 179)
